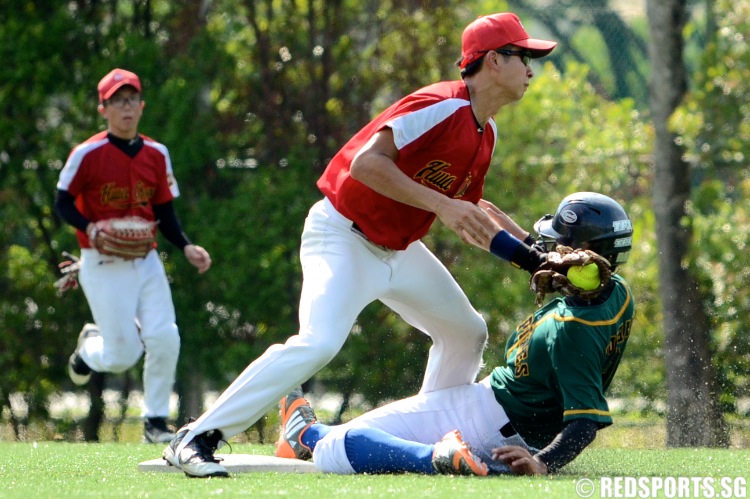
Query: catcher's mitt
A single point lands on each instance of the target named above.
(128, 238)
(551, 276)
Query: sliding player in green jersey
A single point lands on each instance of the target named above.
(532, 415)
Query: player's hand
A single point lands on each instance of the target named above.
(503, 220)
(520, 460)
(198, 257)
(472, 224)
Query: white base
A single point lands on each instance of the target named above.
(240, 463)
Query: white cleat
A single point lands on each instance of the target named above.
(196, 459)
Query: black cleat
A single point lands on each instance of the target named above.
(156, 431)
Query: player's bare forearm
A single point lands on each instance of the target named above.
(380, 173)
(375, 167)
(503, 220)
(466, 219)
(469, 221)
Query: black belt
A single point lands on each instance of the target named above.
(507, 430)
(358, 231)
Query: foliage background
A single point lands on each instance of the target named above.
(253, 97)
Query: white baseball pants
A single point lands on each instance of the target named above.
(343, 273)
(426, 418)
(121, 292)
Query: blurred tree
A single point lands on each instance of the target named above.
(694, 416)
(36, 87)
(713, 124)
(593, 32)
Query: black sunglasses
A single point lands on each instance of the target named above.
(525, 55)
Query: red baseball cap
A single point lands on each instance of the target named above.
(497, 30)
(116, 79)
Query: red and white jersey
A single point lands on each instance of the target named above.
(440, 146)
(107, 183)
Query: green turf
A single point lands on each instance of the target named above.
(51, 469)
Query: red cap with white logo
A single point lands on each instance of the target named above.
(115, 80)
(495, 31)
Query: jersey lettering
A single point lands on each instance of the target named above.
(119, 197)
(143, 193)
(434, 174)
(464, 187)
(525, 330)
(524, 333)
(623, 333)
(111, 195)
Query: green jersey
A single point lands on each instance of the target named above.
(560, 361)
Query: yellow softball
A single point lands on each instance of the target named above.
(585, 277)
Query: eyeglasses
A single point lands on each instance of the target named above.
(120, 100)
(525, 55)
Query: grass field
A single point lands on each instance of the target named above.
(81, 470)
(633, 447)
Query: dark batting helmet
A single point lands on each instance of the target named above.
(588, 220)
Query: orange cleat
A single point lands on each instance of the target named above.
(452, 456)
(296, 416)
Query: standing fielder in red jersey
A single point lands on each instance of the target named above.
(115, 174)
(424, 157)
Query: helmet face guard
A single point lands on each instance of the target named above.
(546, 235)
(588, 220)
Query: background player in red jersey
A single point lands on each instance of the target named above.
(423, 158)
(115, 174)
